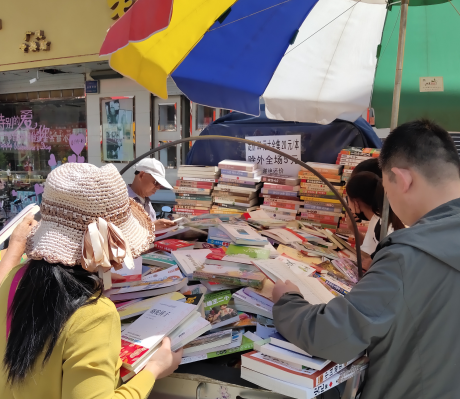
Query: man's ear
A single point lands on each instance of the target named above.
(403, 178)
(141, 174)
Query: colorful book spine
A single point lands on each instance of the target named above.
(237, 173)
(281, 187)
(183, 183)
(319, 199)
(190, 211)
(276, 204)
(218, 242)
(279, 192)
(201, 179)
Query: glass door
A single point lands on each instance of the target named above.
(167, 128)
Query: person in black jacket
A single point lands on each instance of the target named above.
(404, 311)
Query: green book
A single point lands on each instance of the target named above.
(256, 253)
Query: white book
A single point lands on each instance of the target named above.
(238, 165)
(139, 306)
(152, 289)
(311, 289)
(190, 260)
(213, 287)
(270, 209)
(147, 332)
(6, 232)
(198, 168)
(243, 234)
(294, 359)
(236, 189)
(238, 179)
(245, 303)
(301, 392)
(187, 332)
(207, 342)
(236, 339)
(278, 340)
(282, 235)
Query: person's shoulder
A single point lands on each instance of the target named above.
(91, 315)
(6, 282)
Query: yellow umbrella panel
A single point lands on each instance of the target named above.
(151, 61)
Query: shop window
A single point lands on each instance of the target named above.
(35, 138)
(168, 156)
(204, 116)
(167, 118)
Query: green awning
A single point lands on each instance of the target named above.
(432, 50)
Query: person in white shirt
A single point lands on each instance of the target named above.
(148, 178)
(365, 198)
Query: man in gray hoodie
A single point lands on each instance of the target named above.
(405, 310)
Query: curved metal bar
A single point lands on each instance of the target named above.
(266, 147)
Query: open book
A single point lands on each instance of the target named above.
(311, 289)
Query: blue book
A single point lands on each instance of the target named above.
(215, 233)
(241, 173)
(218, 242)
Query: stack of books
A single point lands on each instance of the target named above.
(194, 188)
(321, 206)
(238, 187)
(281, 196)
(349, 157)
(282, 367)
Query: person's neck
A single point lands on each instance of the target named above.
(137, 190)
(437, 196)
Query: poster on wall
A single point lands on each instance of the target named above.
(117, 129)
(270, 162)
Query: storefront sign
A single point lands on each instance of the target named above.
(92, 87)
(38, 43)
(434, 83)
(273, 163)
(119, 7)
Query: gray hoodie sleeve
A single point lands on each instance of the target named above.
(347, 325)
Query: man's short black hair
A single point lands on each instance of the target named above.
(136, 172)
(369, 165)
(421, 145)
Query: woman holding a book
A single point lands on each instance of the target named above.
(365, 197)
(60, 337)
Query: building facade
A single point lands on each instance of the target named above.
(60, 102)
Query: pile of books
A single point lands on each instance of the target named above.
(211, 293)
(349, 157)
(238, 188)
(194, 189)
(282, 367)
(281, 196)
(321, 206)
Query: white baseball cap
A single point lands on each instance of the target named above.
(154, 168)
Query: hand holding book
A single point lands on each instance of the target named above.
(281, 288)
(164, 361)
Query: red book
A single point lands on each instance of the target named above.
(284, 205)
(324, 218)
(281, 187)
(173, 245)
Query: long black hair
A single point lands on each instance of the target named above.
(368, 188)
(47, 296)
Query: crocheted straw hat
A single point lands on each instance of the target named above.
(75, 195)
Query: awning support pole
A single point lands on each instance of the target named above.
(396, 100)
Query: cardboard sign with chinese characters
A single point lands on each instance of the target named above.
(273, 163)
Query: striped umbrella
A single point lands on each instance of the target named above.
(311, 60)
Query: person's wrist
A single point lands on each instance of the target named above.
(297, 293)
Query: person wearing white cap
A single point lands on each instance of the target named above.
(149, 177)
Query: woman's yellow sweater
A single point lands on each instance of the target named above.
(85, 362)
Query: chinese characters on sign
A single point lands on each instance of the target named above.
(19, 133)
(435, 83)
(37, 44)
(119, 7)
(270, 162)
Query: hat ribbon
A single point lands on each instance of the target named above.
(104, 246)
